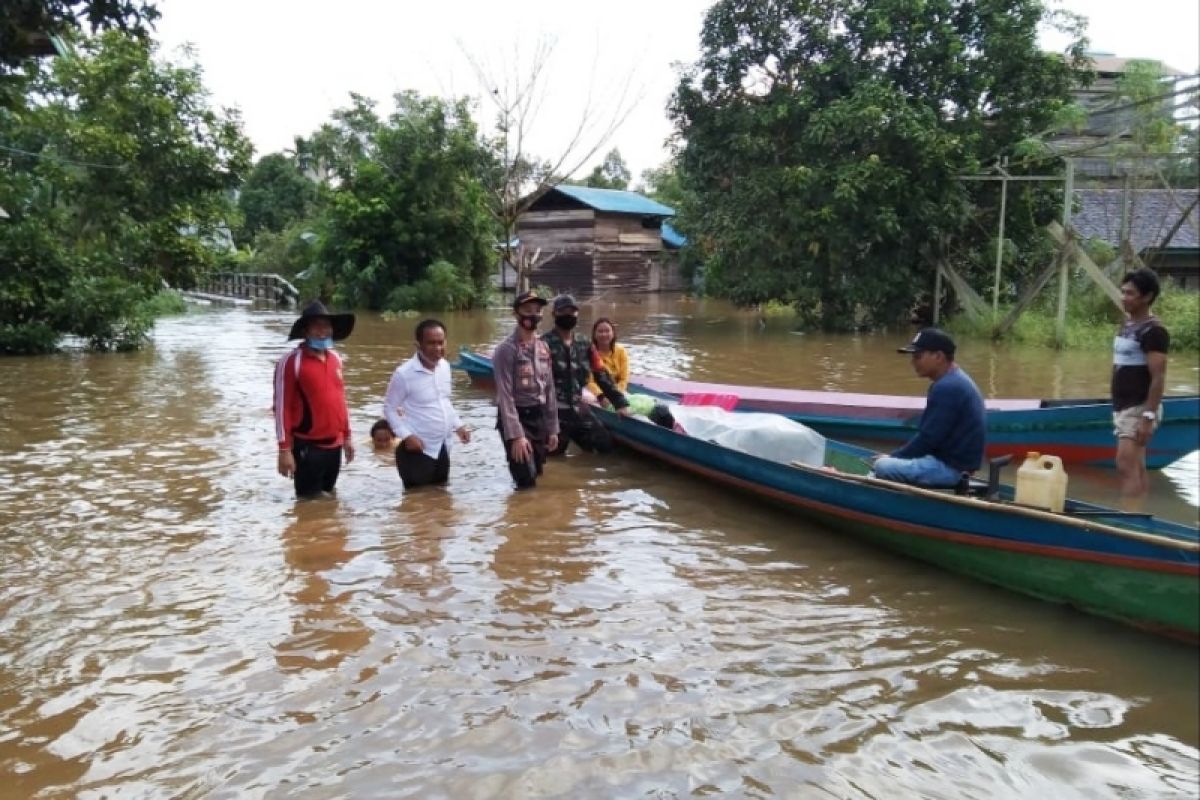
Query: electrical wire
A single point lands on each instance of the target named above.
(60, 159)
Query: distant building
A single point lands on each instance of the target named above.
(1107, 125)
(1166, 244)
(601, 240)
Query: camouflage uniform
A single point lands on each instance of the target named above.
(572, 366)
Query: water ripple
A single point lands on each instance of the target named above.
(173, 624)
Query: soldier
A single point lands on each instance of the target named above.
(571, 355)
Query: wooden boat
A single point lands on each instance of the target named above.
(1077, 431)
(1128, 567)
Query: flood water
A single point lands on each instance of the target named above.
(174, 624)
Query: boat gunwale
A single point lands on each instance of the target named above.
(1170, 541)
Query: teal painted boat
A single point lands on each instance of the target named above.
(1077, 431)
(1128, 567)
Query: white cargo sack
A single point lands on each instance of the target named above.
(768, 436)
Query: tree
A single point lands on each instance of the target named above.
(664, 184)
(124, 178)
(610, 173)
(21, 21)
(409, 194)
(519, 178)
(823, 141)
(275, 195)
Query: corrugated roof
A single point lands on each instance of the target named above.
(672, 237)
(1152, 214)
(616, 201)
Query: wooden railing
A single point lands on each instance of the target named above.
(261, 286)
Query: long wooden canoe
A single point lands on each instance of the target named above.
(1132, 568)
(1077, 431)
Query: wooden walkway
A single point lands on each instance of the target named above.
(246, 288)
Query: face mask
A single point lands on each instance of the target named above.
(566, 321)
(320, 344)
(530, 321)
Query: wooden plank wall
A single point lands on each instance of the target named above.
(625, 254)
(567, 237)
(593, 252)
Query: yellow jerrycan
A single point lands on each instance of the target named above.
(1042, 482)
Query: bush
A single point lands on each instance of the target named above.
(108, 312)
(27, 338)
(166, 303)
(444, 288)
(1092, 319)
(1179, 309)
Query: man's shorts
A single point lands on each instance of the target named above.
(1126, 421)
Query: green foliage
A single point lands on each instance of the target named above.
(27, 338)
(1152, 130)
(664, 184)
(129, 185)
(1179, 310)
(610, 173)
(1091, 321)
(288, 252)
(275, 195)
(166, 303)
(444, 288)
(409, 195)
(1100, 252)
(1148, 118)
(821, 168)
(108, 313)
(774, 309)
(22, 19)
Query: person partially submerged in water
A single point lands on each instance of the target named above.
(382, 438)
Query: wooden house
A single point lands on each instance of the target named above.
(1163, 228)
(600, 240)
(1110, 119)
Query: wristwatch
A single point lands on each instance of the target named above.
(1150, 415)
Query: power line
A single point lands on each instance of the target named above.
(1145, 101)
(60, 159)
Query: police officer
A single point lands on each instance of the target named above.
(527, 412)
(570, 355)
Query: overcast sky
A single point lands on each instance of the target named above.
(287, 64)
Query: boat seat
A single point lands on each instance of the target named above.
(989, 489)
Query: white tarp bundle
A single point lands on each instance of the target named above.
(768, 436)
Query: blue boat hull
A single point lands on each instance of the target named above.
(1146, 573)
(1079, 432)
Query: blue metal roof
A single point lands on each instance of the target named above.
(672, 237)
(616, 201)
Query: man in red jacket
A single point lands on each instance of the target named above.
(312, 425)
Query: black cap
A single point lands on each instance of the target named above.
(930, 340)
(563, 302)
(342, 323)
(528, 297)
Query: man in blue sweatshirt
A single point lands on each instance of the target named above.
(949, 440)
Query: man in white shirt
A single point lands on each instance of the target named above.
(417, 406)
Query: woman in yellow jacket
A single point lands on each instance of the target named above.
(613, 357)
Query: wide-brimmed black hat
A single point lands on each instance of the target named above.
(930, 340)
(342, 323)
